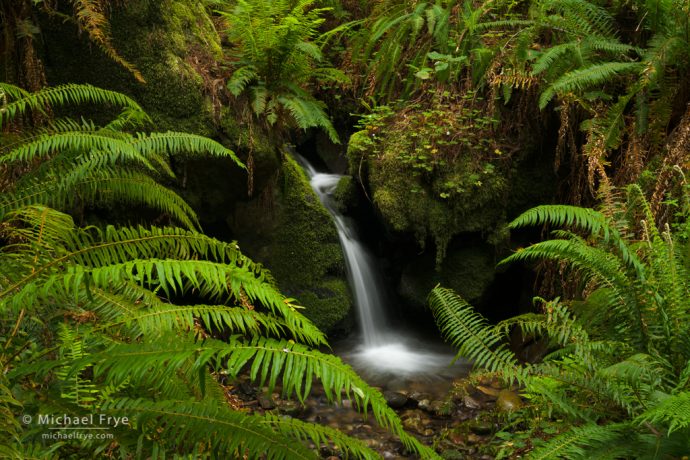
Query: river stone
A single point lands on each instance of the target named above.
(473, 439)
(425, 405)
(247, 390)
(508, 401)
(481, 428)
(394, 399)
(291, 408)
(470, 402)
(266, 402)
(419, 395)
(489, 391)
(414, 421)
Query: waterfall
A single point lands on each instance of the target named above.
(383, 351)
(364, 278)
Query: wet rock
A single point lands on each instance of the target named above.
(473, 439)
(439, 408)
(481, 428)
(418, 396)
(425, 405)
(471, 403)
(415, 421)
(247, 390)
(372, 443)
(508, 401)
(395, 399)
(291, 408)
(266, 402)
(491, 393)
(456, 438)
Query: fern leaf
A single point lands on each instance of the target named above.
(470, 334)
(582, 79)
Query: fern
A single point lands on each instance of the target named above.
(582, 79)
(279, 60)
(104, 305)
(468, 331)
(579, 442)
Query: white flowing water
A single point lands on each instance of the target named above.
(383, 350)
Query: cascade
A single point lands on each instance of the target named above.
(382, 348)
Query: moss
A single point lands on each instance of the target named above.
(345, 194)
(327, 303)
(411, 205)
(160, 39)
(295, 237)
(434, 169)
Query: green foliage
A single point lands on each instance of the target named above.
(67, 163)
(96, 320)
(278, 61)
(618, 367)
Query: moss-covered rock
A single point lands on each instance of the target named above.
(345, 195)
(426, 182)
(171, 42)
(290, 231)
(445, 174)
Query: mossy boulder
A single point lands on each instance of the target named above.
(290, 231)
(345, 195)
(444, 174)
(433, 171)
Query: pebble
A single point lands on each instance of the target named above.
(508, 401)
(425, 405)
(266, 402)
(470, 402)
(481, 428)
(395, 399)
(473, 439)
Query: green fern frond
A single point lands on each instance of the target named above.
(240, 79)
(174, 143)
(323, 435)
(72, 94)
(672, 411)
(579, 441)
(469, 332)
(592, 222)
(585, 78)
(269, 360)
(185, 424)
